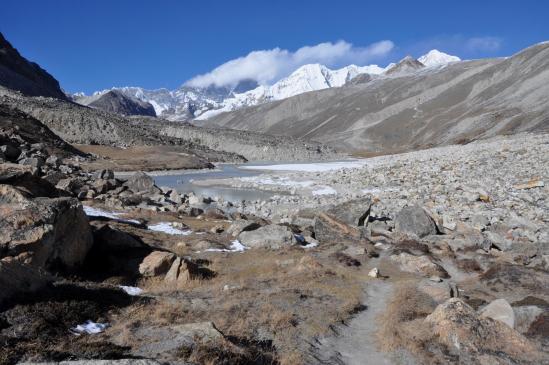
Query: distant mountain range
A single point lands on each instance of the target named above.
(411, 106)
(188, 103)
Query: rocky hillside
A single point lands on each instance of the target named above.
(82, 125)
(17, 73)
(116, 102)
(455, 103)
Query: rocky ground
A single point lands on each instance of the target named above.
(437, 256)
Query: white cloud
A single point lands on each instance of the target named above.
(483, 44)
(266, 66)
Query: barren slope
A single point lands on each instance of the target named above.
(457, 103)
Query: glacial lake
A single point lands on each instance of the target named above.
(183, 181)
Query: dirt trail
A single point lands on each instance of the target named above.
(356, 343)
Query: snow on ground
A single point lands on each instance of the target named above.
(90, 328)
(131, 290)
(324, 190)
(311, 167)
(282, 181)
(236, 246)
(95, 212)
(167, 227)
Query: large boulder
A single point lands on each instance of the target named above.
(415, 221)
(329, 229)
(422, 265)
(22, 177)
(156, 263)
(469, 336)
(141, 182)
(52, 233)
(271, 236)
(182, 271)
(500, 310)
(354, 212)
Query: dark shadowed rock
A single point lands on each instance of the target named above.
(17, 278)
(17, 73)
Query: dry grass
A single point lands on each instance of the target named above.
(402, 325)
(280, 294)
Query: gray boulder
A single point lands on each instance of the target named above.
(354, 212)
(415, 221)
(141, 182)
(271, 236)
(500, 310)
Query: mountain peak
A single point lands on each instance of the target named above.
(435, 58)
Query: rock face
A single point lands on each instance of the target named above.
(17, 73)
(51, 233)
(271, 236)
(470, 337)
(415, 221)
(116, 102)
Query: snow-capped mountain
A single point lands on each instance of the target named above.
(437, 58)
(187, 103)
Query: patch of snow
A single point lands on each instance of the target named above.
(95, 212)
(282, 181)
(437, 58)
(235, 246)
(310, 245)
(90, 328)
(324, 190)
(167, 227)
(311, 167)
(131, 290)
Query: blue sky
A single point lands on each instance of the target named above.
(92, 45)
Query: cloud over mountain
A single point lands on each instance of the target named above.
(265, 66)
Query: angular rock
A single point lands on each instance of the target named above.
(353, 212)
(500, 310)
(419, 264)
(22, 177)
(415, 221)
(440, 291)
(55, 233)
(329, 229)
(242, 225)
(271, 236)
(467, 335)
(156, 263)
(182, 271)
(141, 182)
(35, 162)
(525, 316)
